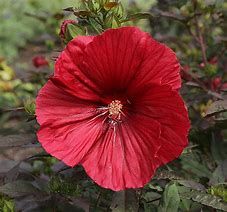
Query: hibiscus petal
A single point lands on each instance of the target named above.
(72, 55)
(125, 157)
(127, 55)
(111, 59)
(71, 141)
(53, 103)
(67, 73)
(166, 107)
(69, 126)
(171, 149)
(159, 64)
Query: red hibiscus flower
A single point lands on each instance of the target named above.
(113, 107)
(39, 61)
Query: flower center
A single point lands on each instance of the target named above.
(115, 108)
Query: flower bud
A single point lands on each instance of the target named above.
(63, 29)
(39, 61)
(213, 60)
(215, 83)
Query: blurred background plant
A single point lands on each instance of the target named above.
(25, 20)
(31, 180)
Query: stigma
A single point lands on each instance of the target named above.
(115, 110)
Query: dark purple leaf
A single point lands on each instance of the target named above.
(19, 188)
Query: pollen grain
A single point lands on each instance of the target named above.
(115, 108)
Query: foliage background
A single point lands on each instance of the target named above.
(31, 180)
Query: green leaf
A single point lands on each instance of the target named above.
(150, 207)
(125, 201)
(119, 11)
(155, 187)
(19, 188)
(217, 107)
(170, 199)
(29, 106)
(165, 174)
(151, 196)
(97, 28)
(218, 148)
(205, 199)
(195, 167)
(220, 174)
(58, 185)
(6, 165)
(75, 30)
(6, 205)
(219, 190)
(185, 204)
(111, 22)
(16, 140)
(90, 5)
(192, 184)
(81, 204)
(137, 16)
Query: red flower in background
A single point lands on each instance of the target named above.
(224, 86)
(215, 83)
(113, 107)
(39, 61)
